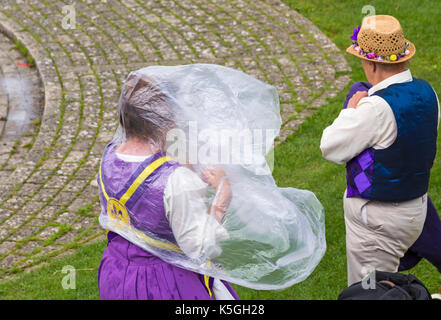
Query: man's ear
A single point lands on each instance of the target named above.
(371, 66)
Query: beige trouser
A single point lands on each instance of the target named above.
(379, 233)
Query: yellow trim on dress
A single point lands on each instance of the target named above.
(102, 186)
(207, 284)
(144, 175)
(122, 221)
(207, 279)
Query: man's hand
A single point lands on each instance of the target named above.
(353, 102)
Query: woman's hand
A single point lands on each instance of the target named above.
(213, 176)
(217, 178)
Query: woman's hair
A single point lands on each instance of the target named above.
(145, 111)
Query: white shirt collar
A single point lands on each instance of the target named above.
(401, 77)
(131, 158)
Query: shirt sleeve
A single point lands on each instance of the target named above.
(197, 233)
(371, 124)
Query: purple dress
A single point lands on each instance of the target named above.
(428, 244)
(126, 271)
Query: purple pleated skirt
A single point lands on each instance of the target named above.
(127, 272)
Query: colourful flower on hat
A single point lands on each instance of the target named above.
(371, 55)
(355, 35)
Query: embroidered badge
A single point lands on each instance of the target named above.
(117, 210)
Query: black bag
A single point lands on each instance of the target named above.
(387, 286)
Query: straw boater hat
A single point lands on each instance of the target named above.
(380, 39)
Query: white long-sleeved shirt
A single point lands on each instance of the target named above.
(196, 232)
(370, 124)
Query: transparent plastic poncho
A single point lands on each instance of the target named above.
(224, 118)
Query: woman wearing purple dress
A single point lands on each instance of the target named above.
(146, 190)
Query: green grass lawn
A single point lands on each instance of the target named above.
(298, 163)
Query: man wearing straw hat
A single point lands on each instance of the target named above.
(387, 138)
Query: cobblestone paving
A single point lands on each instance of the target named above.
(48, 198)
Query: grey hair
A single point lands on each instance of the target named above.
(145, 111)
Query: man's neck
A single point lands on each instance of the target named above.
(383, 75)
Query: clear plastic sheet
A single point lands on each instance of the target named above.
(209, 116)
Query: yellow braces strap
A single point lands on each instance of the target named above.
(207, 279)
(102, 186)
(104, 190)
(207, 284)
(144, 175)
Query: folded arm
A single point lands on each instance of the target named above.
(370, 123)
(196, 231)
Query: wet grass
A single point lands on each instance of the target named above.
(20, 46)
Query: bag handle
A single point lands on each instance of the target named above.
(388, 283)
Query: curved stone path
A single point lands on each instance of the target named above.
(48, 201)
